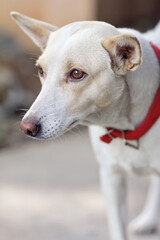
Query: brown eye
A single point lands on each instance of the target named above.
(40, 71)
(77, 75)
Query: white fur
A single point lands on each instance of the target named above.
(104, 98)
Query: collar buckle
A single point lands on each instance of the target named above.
(135, 146)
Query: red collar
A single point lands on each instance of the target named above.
(143, 128)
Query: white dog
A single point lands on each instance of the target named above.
(95, 74)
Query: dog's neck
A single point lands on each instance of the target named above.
(139, 92)
(143, 84)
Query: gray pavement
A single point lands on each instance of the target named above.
(50, 190)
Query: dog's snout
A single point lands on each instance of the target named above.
(30, 128)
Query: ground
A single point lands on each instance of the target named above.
(50, 190)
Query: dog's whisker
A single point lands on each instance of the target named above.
(33, 54)
(16, 123)
(73, 132)
(21, 111)
(35, 75)
(79, 131)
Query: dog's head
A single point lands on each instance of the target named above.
(82, 69)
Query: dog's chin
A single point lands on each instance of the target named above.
(44, 135)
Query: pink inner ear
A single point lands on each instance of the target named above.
(125, 52)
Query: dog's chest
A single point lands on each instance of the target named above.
(117, 155)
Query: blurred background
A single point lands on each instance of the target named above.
(50, 190)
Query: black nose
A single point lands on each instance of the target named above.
(30, 128)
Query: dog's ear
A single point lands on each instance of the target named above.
(37, 30)
(125, 52)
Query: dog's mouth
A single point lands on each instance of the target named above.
(73, 123)
(54, 134)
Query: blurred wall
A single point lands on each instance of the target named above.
(57, 12)
(139, 14)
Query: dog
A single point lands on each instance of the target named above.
(107, 78)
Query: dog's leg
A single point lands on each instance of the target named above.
(147, 221)
(114, 189)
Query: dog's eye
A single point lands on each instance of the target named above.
(77, 75)
(40, 71)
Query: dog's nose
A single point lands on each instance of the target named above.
(30, 128)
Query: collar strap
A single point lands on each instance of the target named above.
(144, 127)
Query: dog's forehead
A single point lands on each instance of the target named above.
(88, 31)
(78, 43)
